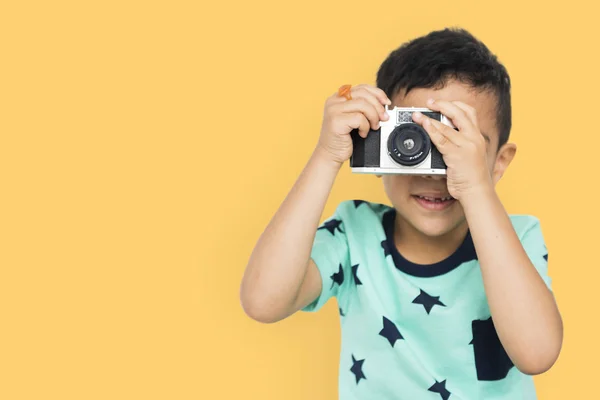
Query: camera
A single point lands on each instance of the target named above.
(399, 146)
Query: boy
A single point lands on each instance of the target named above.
(441, 295)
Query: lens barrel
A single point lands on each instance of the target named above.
(409, 144)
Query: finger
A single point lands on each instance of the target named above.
(358, 121)
(366, 94)
(360, 105)
(470, 111)
(458, 117)
(472, 134)
(453, 135)
(335, 98)
(431, 124)
(438, 138)
(378, 93)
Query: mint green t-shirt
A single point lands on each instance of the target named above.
(409, 331)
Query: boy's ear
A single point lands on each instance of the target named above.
(503, 159)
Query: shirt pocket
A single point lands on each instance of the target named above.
(491, 360)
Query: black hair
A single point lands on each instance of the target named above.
(453, 53)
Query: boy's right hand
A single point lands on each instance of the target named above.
(341, 116)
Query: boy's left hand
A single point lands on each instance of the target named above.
(464, 151)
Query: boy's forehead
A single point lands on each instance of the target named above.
(483, 101)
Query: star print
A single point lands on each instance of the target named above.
(338, 277)
(341, 312)
(354, 273)
(332, 226)
(428, 301)
(358, 203)
(440, 387)
(546, 257)
(386, 248)
(390, 331)
(357, 369)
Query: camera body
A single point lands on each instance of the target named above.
(399, 146)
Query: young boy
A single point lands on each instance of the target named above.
(441, 295)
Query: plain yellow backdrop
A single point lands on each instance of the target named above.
(145, 146)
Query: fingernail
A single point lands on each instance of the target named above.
(417, 115)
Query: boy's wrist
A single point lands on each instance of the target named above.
(324, 159)
(477, 197)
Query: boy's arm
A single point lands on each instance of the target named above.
(523, 309)
(280, 277)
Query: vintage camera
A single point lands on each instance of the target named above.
(399, 146)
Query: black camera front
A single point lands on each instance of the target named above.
(409, 144)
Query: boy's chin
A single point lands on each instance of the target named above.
(435, 227)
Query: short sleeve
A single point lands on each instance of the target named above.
(533, 242)
(330, 252)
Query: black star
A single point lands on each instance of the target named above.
(386, 248)
(546, 257)
(440, 387)
(428, 301)
(390, 331)
(358, 203)
(341, 312)
(332, 226)
(354, 273)
(338, 277)
(357, 369)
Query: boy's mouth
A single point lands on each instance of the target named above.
(434, 202)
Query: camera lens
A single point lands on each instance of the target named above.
(409, 144)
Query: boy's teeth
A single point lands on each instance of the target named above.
(436, 199)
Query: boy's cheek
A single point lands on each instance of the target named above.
(491, 158)
(394, 184)
(397, 188)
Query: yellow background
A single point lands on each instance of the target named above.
(145, 145)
